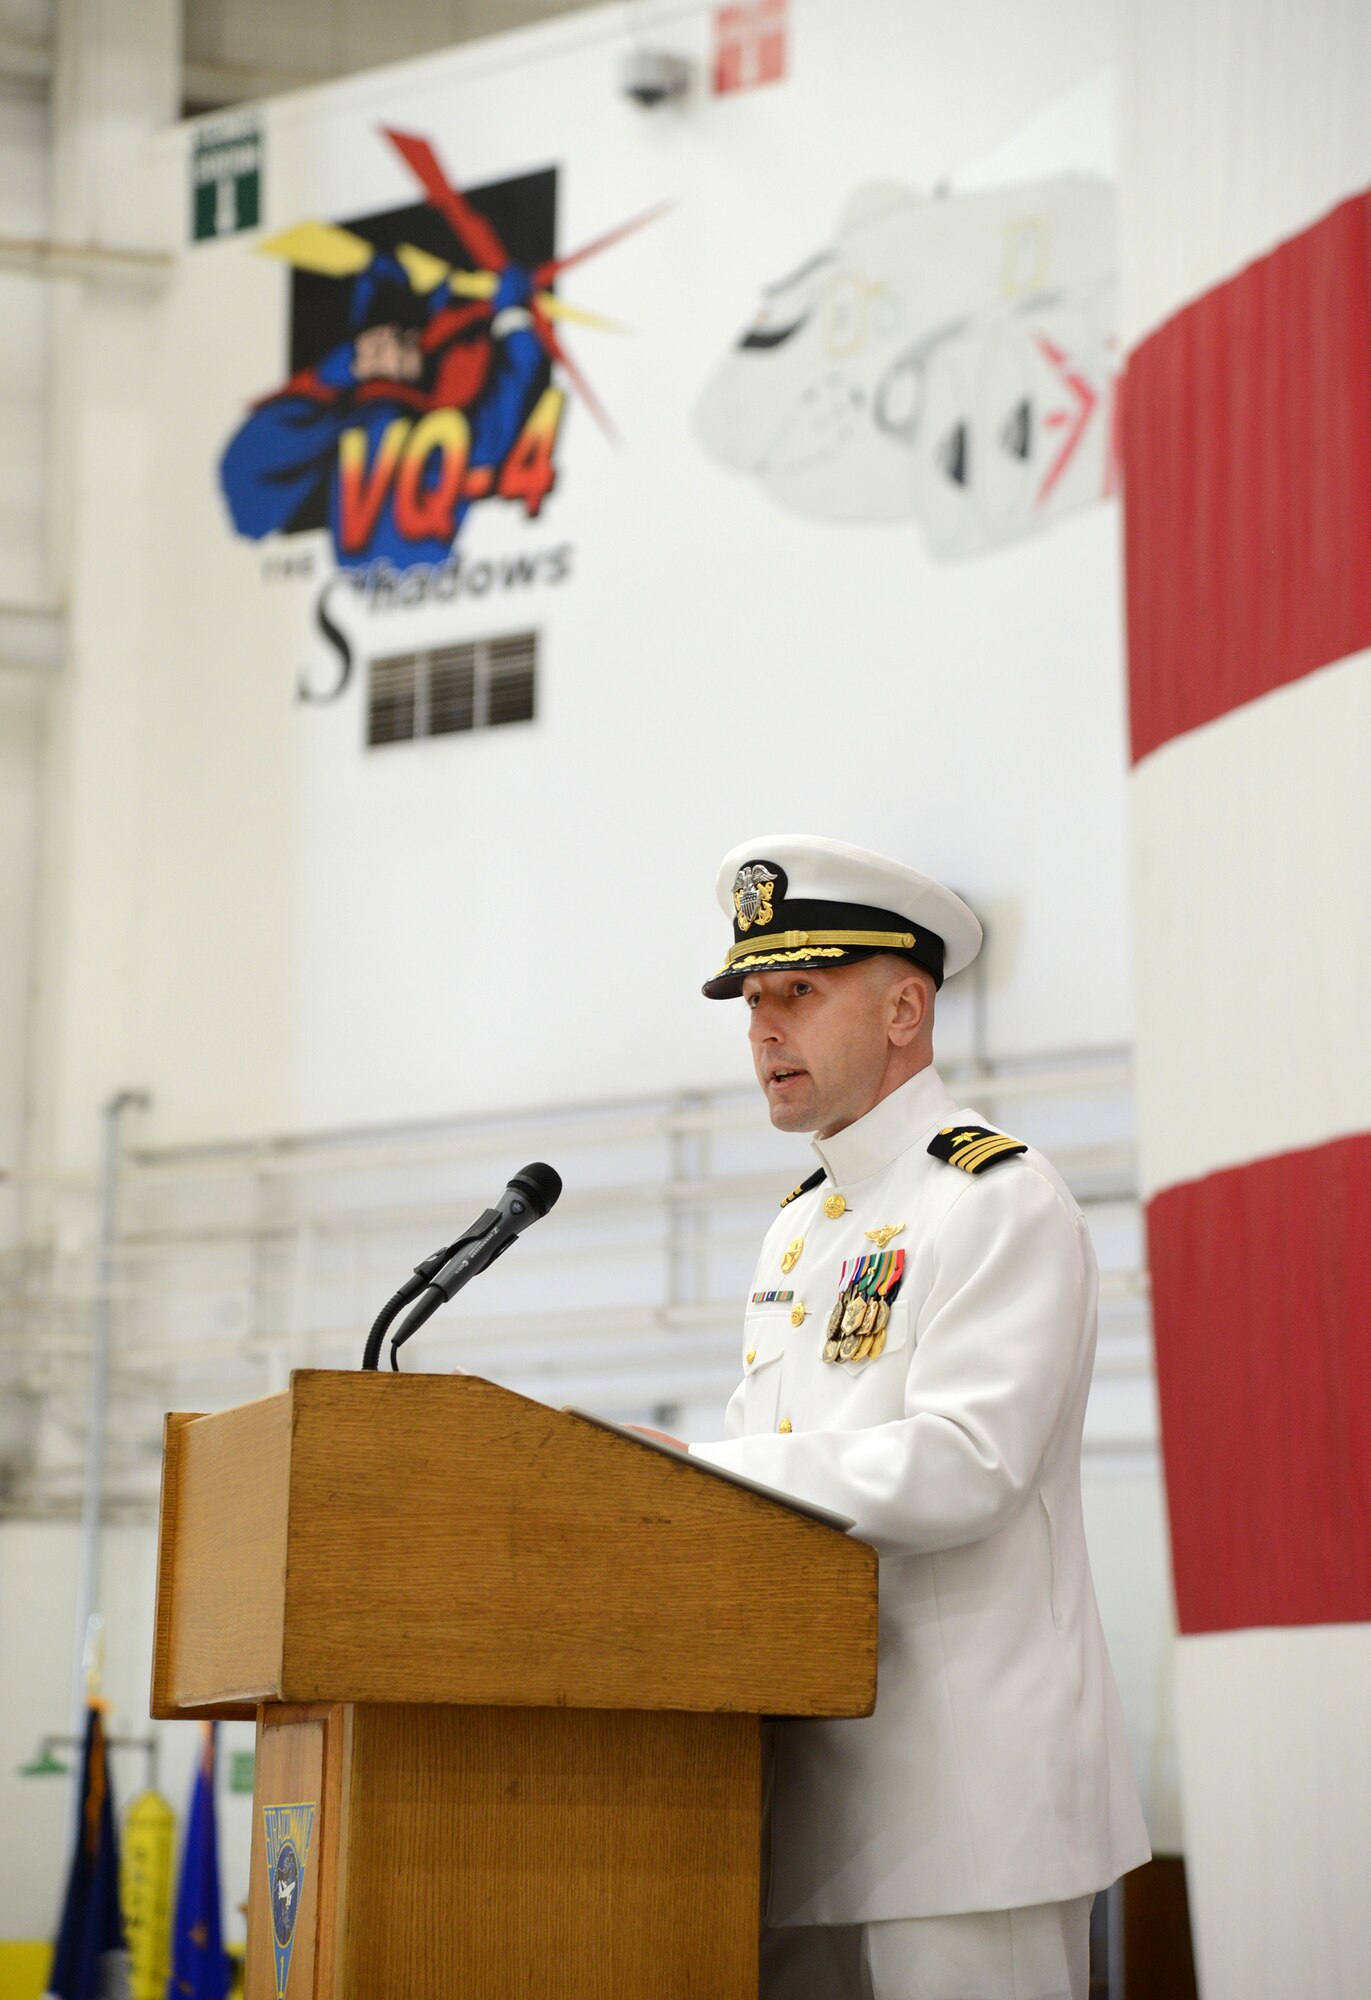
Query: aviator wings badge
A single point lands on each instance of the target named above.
(880, 1237)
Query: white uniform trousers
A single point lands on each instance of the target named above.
(1041, 1952)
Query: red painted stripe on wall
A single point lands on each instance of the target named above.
(1247, 482)
(1261, 1284)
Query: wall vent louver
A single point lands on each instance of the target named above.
(477, 685)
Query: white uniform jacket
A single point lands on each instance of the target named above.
(995, 1771)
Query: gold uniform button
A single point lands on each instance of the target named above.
(834, 1206)
(784, 1426)
(750, 1356)
(797, 1313)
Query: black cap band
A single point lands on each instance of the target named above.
(808, 933)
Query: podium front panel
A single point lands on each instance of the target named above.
(404, 1853)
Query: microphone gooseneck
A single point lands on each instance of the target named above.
(528, 1197)
(411, 1288)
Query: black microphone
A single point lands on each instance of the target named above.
(529, 1196)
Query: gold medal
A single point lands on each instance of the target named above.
(849, 1346)
(835, 1327)
(868, 1342)
(871, 1315)
(878, 1342)
(853, 1316)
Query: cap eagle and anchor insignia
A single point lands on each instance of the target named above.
(753, 887)
(974, 1148)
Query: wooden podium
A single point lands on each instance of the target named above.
(508, 1671)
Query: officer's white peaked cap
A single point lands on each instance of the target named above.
(798, 901)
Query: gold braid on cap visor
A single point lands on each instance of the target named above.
(813, 944)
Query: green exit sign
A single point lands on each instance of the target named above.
(226, 177)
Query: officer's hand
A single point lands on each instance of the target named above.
(662, 1437)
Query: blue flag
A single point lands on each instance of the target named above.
(198, 1968)
(89, 1960)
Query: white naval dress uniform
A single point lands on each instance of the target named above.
(994, 1773)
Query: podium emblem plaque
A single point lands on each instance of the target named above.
(288, 1830)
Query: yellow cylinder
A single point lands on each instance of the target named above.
(145, 1893)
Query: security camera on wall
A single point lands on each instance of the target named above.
(652, 77)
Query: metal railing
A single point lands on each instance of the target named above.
(234, 1262)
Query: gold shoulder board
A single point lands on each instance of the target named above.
(974, 1148)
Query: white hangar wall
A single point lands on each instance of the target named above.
(273, 928)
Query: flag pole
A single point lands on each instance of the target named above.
(93, 1484)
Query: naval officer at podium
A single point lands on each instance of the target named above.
(917, 1355)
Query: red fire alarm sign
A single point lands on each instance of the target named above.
(749, 45)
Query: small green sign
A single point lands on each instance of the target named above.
(226, 177)
(240, 1770)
